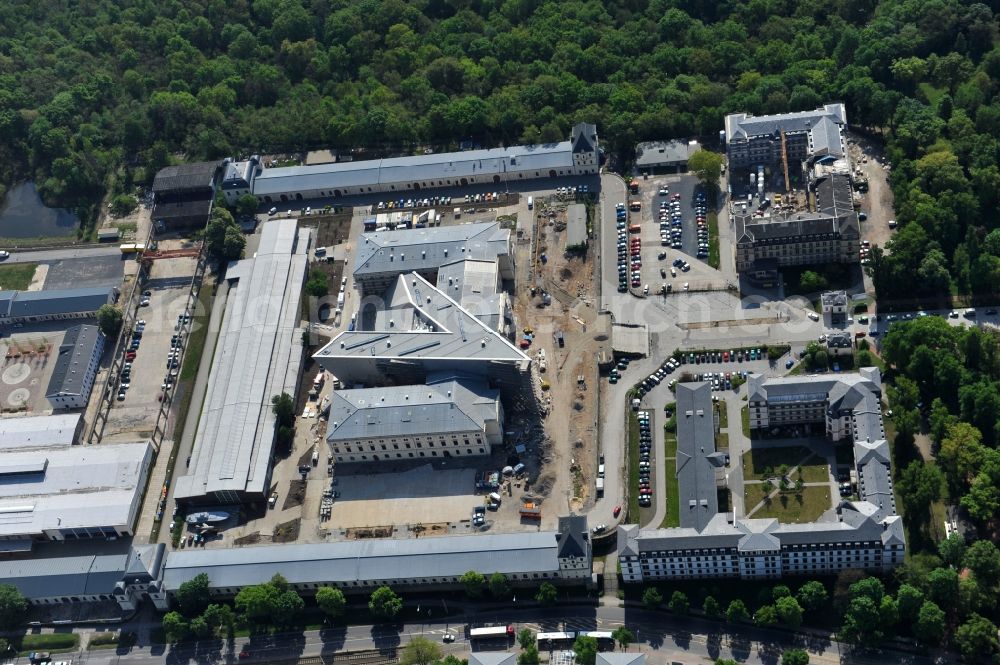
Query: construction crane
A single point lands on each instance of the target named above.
(784, 161)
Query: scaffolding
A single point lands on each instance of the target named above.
(784, 161)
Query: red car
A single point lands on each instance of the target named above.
(617, 511)
(130, 355)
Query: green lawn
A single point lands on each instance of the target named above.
(54, 642)
(746, 421)
(814, 471)
(199, 331)
(722, 438)
(673, 516)
(791, 507)
(16, 276)
(713, 240)
(760, 463)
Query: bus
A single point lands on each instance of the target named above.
(491, 632)
(603, 637)
(557, 640)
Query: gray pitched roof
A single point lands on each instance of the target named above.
(64, 576)
(492, 658)
(573, 536)
(695, 443)
(181, 177)
(78, 347)
(455, 405)
(406, 250)
(61, 301)
(656, 153)
(621, 658)
(366, 561)
(743, 126)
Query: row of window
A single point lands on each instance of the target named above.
(395, 446)
(444, 453)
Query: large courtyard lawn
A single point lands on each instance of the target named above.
(791, 507)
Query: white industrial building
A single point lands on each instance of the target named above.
(76, 367)
(56, 491)
(494, 166)
(258, 355)
(50, 431)
(864, 534)
(448, 417)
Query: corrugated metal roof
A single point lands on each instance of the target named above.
(195, 175)
(254, 360)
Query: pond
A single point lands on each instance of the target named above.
(23, 215)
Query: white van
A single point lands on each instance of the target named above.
(531, 202)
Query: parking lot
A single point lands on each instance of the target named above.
(135, 407)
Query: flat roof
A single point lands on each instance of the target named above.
(72, 487)
(78, 347)
(576, 224)
(366, 561)
(660, 153)
(23, 432)
(630, 338)
(257, 356)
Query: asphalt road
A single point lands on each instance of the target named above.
(688, 640)
(50, 255)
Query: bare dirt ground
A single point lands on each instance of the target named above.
(877, 203)
(571, 424)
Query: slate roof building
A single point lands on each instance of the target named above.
(438, 562)
(258, 355)
(834, 305)
(664, 156)
(831, 234)
(76, 367)
(237, 178)
(449, 417)
(408, 175)
(866, 534)
(757, 140)
(183, 195)
(32, 306)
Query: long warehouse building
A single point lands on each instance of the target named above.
(258, 355)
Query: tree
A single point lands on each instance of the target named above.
(193, 596)
(529, 656)
(909, 599)
(811, 281)
(789, 611)
(273, 603)
(246, 205)
(795, 657)
(420, 651)
(919, 486)
(13, 607)
(977, 638)
(525, 638)
(547, 594)
(499, 587)
(331, 601)
(123, 204)
(711, 607)
(652, 598)
(781, 590)
(679, 603)
(983, 559)
(707, 166)
(766, 616)
(474, 584)
(283, 407)
(224, 241)
(109, 319)
(942, 587)
(384, 603)
(220, 616)
(737, 611)
(317, 285)
(585, 648)
(175, 627)
(811, 595)
(931, 623)
(623, 636)
(952, 549)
